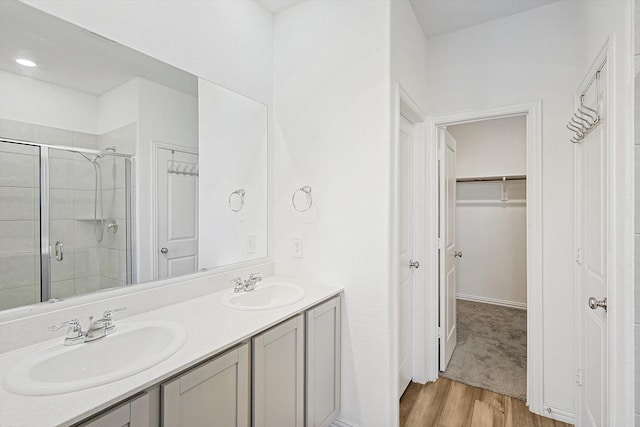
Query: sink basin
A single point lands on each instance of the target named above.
(265, 296)
(130, 349)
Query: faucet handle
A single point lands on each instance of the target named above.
(255, 276)
(73, 323)
(107, 314)
(238, 284)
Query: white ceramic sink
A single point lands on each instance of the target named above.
(265, 296)
(130, 349)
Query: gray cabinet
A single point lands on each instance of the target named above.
(296, 382)
(133, 413)
(323, 363)
(278, 375)
(214, 394)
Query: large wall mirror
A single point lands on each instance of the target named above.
(117, 168)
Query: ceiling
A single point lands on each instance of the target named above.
(75, 58)
(438, 17)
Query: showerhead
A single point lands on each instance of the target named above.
(91, 157)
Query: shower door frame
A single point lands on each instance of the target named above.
(45, 208)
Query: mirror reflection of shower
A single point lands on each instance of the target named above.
(98, 196)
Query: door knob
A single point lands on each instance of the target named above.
(594, 304)
(457, 254)
(414, 264)
(164, 251)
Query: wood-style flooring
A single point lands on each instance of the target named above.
(447, 403)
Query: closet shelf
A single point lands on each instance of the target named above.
(492, 178)
(516, 202)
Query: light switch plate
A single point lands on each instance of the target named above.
(297, 248)
(251, 244)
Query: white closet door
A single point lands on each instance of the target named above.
(405, 254)
(448, 258)
(592, 238)
(177, 214)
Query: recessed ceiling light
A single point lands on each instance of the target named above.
(25, 62)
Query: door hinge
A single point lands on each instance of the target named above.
(440, 243)
(440, 332)
(441, 150)
(579, 255)
(579, 377)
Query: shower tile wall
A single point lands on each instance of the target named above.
(113, 247)
(19, 225)
(88, 265)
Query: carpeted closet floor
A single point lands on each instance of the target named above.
(492, 348)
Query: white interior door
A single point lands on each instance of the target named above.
(592, 240)
(177, 213)
(447, 246)
(405, 253)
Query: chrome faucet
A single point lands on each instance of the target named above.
(241, 285)
(251, 283)
(97, 328)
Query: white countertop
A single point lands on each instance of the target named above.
(212, 329)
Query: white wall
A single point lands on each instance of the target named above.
(331, 90)
(119, 107)
(521, 58)
(33, 101)
(491, 147)
(492, 237)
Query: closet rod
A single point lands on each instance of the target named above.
(493, 178)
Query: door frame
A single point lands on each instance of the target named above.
(155, 146)
(403, 104)
(430, 303)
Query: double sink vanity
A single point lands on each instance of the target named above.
(262, 354)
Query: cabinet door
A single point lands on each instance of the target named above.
(134, 413)
(215, 394)
(278, 375)
(323, 363)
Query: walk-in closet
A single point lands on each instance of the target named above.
(491, 270)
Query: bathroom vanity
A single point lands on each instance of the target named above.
(238, 367)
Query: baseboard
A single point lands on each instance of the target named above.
(559, 414)
(504, 303)
(341, 423)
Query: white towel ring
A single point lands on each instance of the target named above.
(236, 198)
(309, 200)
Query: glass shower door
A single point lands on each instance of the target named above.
(87, 222)
(19, 225)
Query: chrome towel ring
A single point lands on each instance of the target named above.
(236, 200)
(308, 202)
